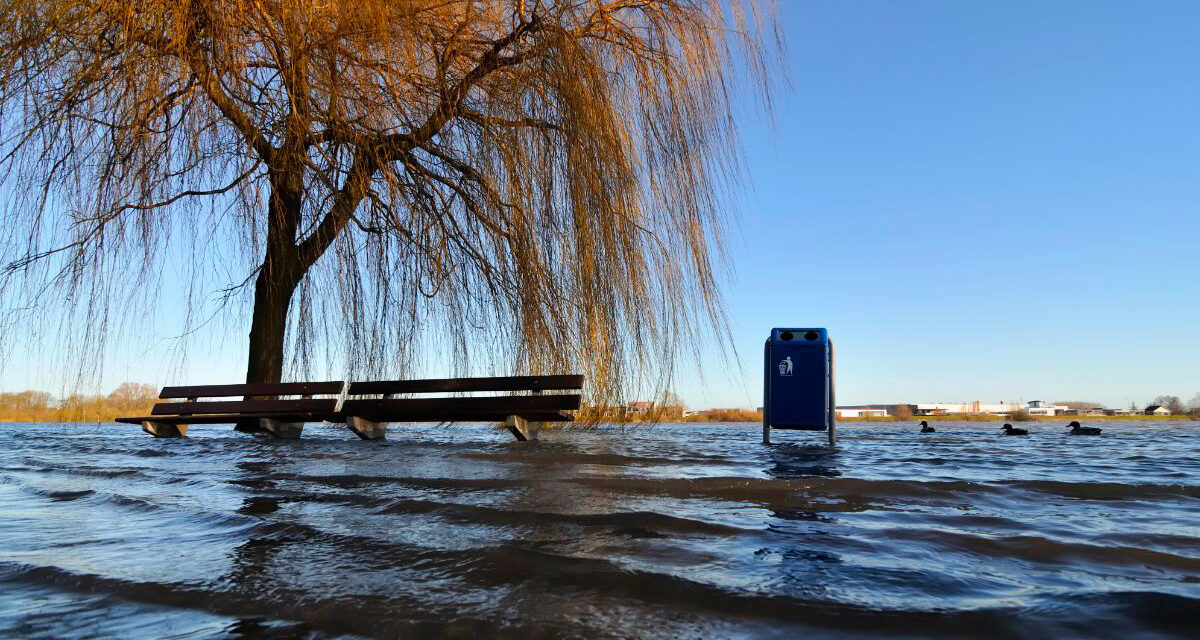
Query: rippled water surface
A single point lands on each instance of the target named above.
(674, 531)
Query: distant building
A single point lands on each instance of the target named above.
(873, 410)
(672, 412)
(867, 411)
(1040, 408)
(638, 410)
(1094, 411)
(1034, 408)
(601, 411)
(943, 408)
(645, 410)
(1157, 410)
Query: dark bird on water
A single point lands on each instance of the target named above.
(925, 428)
(1077, 430)
(1009, 430)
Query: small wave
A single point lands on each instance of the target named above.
(96, 472)
(150, 453)
(261, 616)
(351, 481)
(1049, 551)
(67, 496)
(659, 523)
(825, 494)
(1107, 490)
(542, 457)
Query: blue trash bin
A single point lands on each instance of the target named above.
(798, 389)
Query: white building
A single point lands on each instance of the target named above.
(1035, 408)
(936, 408)
(856, 412)
(1039, 408)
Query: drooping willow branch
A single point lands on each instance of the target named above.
(517, 186)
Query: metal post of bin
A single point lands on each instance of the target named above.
(832, 394)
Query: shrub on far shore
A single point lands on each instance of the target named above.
(725, 415)
(1020, 415)
(38, 406)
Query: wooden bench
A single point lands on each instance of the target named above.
(260, 407)
(366, 407)
(369, 406)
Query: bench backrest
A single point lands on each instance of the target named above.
(261, 397)
(384, 406)
(451, 385)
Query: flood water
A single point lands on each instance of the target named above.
(674, 531)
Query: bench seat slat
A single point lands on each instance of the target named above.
(245, 406)
(254, 389)
(466, 415)
(453, 416)
(447, 385)
(230, 418)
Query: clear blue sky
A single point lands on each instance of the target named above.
(981, 200)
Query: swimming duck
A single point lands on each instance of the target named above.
(1077, 430)
(1009, 430)
(925, 428)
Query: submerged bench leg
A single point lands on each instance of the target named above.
(366, 429)
(164, 429)
(280, 429)
(522, 429)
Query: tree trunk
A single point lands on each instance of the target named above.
(281, 272)
(272, 297)
(286, 263)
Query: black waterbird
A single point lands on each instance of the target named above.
(1009, 430)
(1077, 430)
(925, 428)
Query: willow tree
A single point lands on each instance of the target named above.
(538, 182)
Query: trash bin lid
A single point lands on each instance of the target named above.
(802, 335)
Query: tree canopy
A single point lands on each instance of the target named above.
(537, 186)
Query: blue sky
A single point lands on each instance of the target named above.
(981, 200)
(987, 201)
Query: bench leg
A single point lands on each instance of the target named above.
(248, 425)
(522, 429)
(280, 429)
(366, 429)
(164, 429)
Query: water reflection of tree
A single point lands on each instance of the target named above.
(250, 567)
(250, 570)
